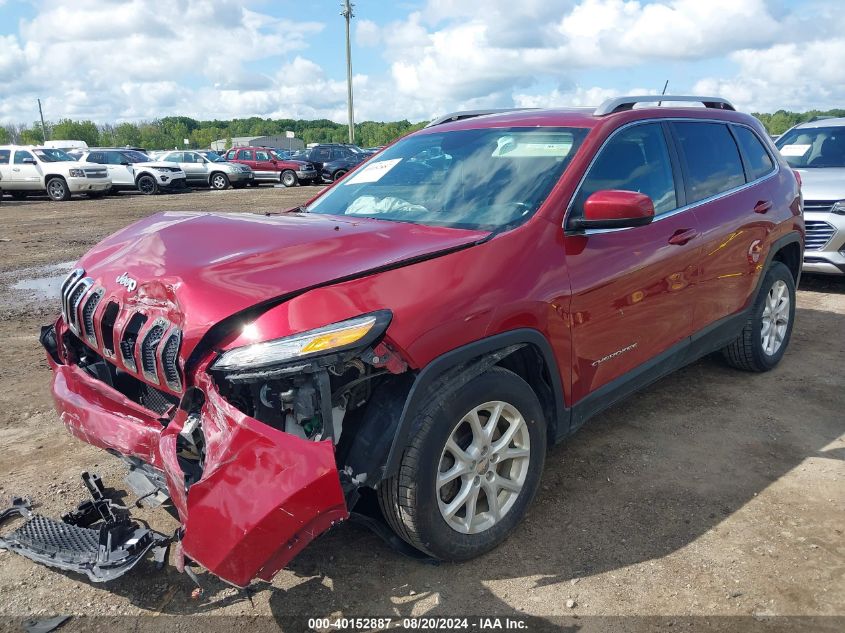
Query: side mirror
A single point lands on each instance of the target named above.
(29, 161)
(614, 209)
(124, 162)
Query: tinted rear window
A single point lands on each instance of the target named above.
(759, 161)
(4, 156)
(711, 157)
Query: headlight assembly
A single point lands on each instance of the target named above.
(838, 208)
(76, 173)
(350, 334)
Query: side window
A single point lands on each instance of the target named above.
(246, 154)
(759, 161)
(259, 155)
(172, 157)
(98, 157)
(712, 159)
(231, 155)
(322, 155)
(4, 156)
(635, 159)
(21, 156)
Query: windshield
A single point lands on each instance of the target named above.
(52, 155)
(214, 157)
(475, 179)
(814, 147)
(279, 155)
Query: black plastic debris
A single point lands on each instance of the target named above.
(97, 539)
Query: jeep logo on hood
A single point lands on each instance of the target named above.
(127, 281)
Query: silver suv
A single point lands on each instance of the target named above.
(816, 150)
(209, 169)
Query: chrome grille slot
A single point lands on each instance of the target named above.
(107, 327)
(149, 345)
(88, 309)
(170, 358)
(130, 338)
(75, 296)
(67, 285)
(818, 234)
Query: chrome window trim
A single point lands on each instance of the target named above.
(684, 208)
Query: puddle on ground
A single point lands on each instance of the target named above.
(38, 283)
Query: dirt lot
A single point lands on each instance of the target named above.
(711, 493)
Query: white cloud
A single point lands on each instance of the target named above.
(130, 59)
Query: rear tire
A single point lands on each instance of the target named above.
(767, 331)
(147, 185)
(57, 189)
(288, 178)
(430, 504)
(219, 181)
(340, 173)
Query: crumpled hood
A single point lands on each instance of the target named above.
(823, 183)
(199, 268)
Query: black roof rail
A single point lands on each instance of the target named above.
(620, 104)
(469, 114)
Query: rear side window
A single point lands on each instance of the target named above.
(711, 157)
(260, 155)
(759, 163)
(4, 156)
(635, 159)
(97, 157)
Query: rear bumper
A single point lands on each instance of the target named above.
(262, 495)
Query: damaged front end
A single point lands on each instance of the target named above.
(246, 449)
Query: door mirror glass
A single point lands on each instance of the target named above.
(611, 209)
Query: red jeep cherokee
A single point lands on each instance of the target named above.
(420, 332)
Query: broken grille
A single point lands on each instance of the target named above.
(141, 347)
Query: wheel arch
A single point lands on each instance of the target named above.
(787, 250)
(387, 423)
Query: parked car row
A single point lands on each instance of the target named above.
(97, 171)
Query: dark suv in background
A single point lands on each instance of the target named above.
(410, 342)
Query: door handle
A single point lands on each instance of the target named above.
(763, 206)
(16, 168)
(682, 236)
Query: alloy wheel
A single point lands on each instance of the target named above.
(775, 320)
(483, 467)
(56, 189)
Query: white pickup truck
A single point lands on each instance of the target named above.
(26, 170)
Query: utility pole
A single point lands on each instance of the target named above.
(43, 127)
(346, 12)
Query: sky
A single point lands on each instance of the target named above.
(129, 60)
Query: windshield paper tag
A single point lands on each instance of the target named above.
(794, 150)
(373, 172)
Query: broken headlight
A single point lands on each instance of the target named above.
(352, 333)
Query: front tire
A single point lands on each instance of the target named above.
(219, 181)
(767, 331)
(147, 185)
(58, 190)
(340, 173)
(288, 178)
(471, 468)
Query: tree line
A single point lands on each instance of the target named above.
(170, 132)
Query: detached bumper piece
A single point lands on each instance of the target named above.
(97, 539)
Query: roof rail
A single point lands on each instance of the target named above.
(469, 114)
(620, 104)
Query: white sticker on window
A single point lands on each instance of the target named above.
(373, 172)
(795, 150)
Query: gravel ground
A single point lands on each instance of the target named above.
(711, 493)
